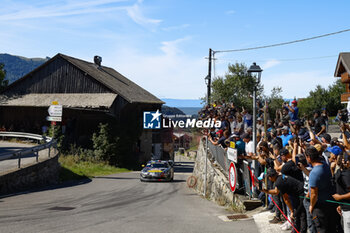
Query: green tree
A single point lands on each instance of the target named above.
(335, 91)
(236, 86)
(275, 101)
(320, 98)
(3, 81)
(104, 144)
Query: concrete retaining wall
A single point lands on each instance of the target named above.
(35, 175)
(218, 189)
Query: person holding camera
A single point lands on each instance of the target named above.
(292, 110)
(291, 190)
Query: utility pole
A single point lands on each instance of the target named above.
(208, 79)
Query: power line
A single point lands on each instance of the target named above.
(284, 59)
(283, 43)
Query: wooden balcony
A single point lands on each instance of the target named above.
(345, 77)
(345, 97)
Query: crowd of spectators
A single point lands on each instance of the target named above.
(308, 171)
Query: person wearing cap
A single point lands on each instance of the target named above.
(335, 151)
(291, 190)
(240, 145)
(292, 110)
(285, 136)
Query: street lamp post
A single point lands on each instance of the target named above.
(255, 71)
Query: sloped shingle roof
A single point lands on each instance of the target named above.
(115, 81)
(91, 100)
(343, 64)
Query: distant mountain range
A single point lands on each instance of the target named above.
(17, 66)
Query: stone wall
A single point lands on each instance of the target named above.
(35, 175)
(218, 188)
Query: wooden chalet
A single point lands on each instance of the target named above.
(181, 140)
(342, 70)
(89, 93)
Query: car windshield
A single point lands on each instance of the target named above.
(159, 165)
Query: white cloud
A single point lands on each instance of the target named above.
(171, 48)
(270, 63)
(171, 74)
(23, 12)
(54, 9)
(297, 84)
(136, 14)
(230, 12)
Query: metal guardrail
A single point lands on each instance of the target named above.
(49, 143)
(220, 156)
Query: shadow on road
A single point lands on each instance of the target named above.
(184, 167)
(116, 178)
(65, 184)
(178, 181)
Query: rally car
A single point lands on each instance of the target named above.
(158, 170)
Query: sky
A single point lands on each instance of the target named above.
(163, 45)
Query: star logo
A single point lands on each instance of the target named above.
(151, 120)
(155, 115)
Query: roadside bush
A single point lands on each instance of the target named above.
(104, 144)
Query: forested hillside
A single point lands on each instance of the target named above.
(17, 66)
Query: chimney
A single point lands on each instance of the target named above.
(97, 60)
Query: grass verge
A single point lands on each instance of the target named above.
(74, 169)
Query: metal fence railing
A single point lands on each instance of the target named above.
(220, 156)
(49, 144)
(246, 181)
(243, 172)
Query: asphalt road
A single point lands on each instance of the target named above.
(117, 203)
